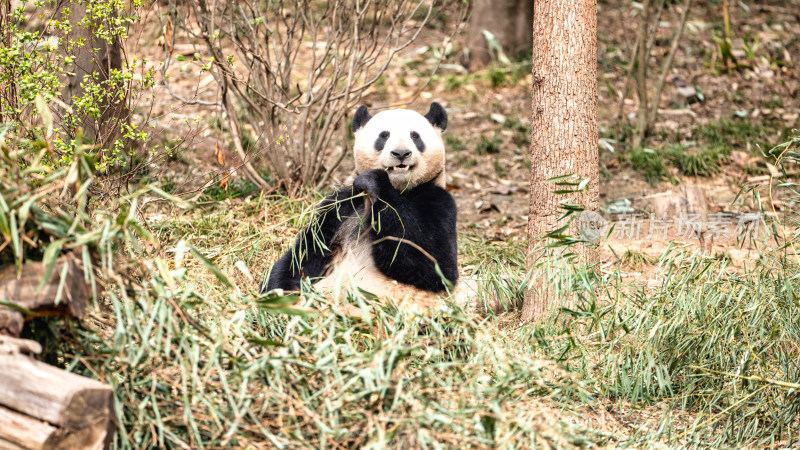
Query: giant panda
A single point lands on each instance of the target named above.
(386, 231)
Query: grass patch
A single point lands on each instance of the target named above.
(499, 75)
(649, 163)
(499, 170)
(714, 142)
(496, 76)
(705, 342)
(487, 146)
(466, 163)
(703, 162)
(235, 189)
(455, 81)
(454, 142)
(198, 358)
(729, 134)
(635, 259)
(522, 132)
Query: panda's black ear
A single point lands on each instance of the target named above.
(437, 116)
(361, 118)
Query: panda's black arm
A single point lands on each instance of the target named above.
(426, 216)
(311, 253)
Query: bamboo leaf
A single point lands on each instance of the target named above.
(211, 266)
(51, 254)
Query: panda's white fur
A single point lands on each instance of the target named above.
(423, 166)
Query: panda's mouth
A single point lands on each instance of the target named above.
(400, 168)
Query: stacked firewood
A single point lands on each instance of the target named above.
(41, 406)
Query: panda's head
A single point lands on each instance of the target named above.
(406, 144)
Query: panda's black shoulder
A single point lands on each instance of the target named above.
(436, 198)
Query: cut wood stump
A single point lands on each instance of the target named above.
(682, 201)
(43, 407)
(22, 291)
(689, 203)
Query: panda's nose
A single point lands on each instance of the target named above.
(401, 154)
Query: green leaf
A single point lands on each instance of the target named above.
(14, 306)
(61, 282)
(446, 282)
(282, 304)
(4, 225)
(51, 254)
(44, 114)
(15, 242)
(265, 342)
(557, 231)
(211, 266)
(3, 205)
(559, 178)
(493, 44)
(25, 210)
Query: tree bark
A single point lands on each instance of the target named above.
(95, 57)
(509, 20)
(7, 91)
(563, 123)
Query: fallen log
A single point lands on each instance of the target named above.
(28, 301)
(43, 407)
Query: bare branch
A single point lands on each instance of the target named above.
(670, 58)
(294, 69)
(641, 76)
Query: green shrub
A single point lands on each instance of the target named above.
(37, 71)
(649, 163)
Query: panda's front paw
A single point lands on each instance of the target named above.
(373, 182)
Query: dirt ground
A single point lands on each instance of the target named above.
(488, 161)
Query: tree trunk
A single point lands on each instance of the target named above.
(563, 123)
(509, 20)
(97, 58)
(7, 91)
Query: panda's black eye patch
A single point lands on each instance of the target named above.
(418, 141)
(381, 141)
